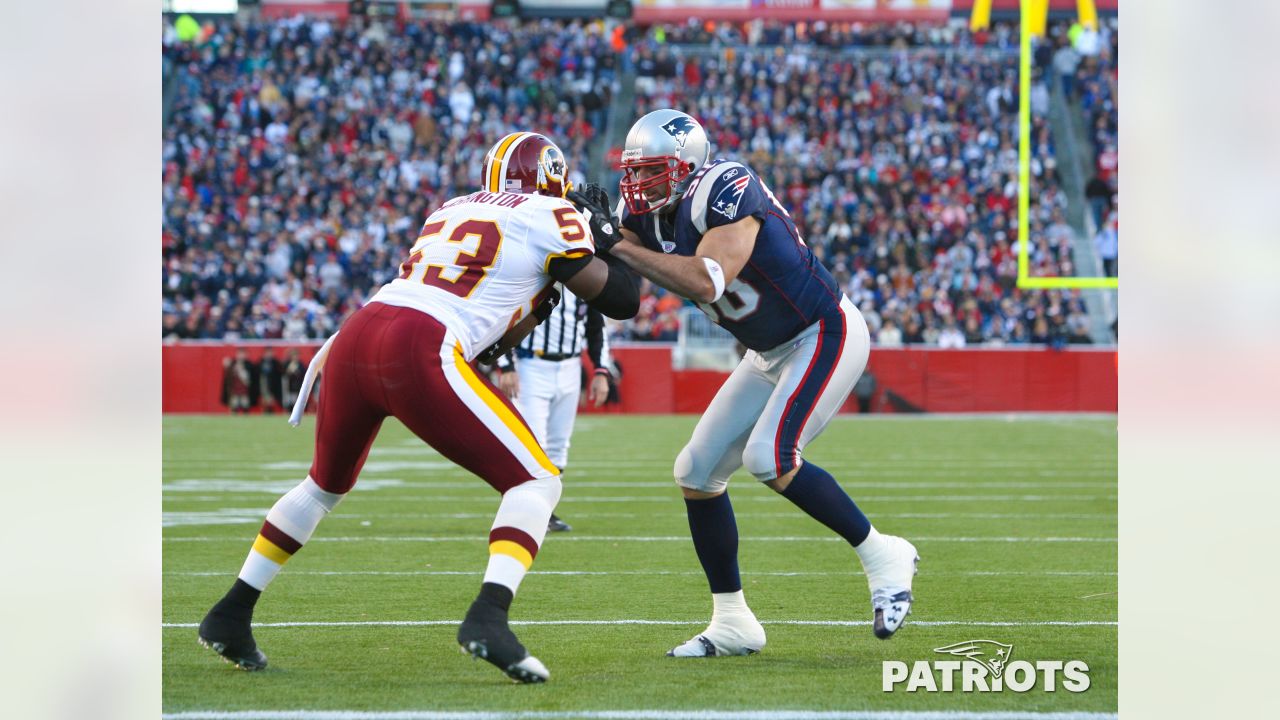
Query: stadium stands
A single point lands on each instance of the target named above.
(898, 161)
(302, 157)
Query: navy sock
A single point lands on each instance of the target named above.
(715, 538)
(814, 491)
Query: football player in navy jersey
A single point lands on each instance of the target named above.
(714, 233)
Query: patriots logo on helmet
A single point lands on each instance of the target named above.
(679, 128)
(993, 655)
(726, 202)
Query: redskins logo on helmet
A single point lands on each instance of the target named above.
(526, 162)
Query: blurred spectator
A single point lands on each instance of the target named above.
(1065, 61)
(1108, 242)
(269, 396)
(1098, 192)
(950, 336)
(889, 336)
(864, 390)
(237, 382)
(291, 378)
(1078, 326)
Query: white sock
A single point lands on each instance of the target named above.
(518, 530)
(870, 547)
(289, 525)
(729, 605)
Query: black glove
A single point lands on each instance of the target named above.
(595, 195)
(604, 229)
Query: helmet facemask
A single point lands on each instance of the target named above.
(641, 176)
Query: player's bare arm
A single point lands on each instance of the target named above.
(727, 246)
(542, 308)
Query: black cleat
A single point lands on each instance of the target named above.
(555, 524)
(484, 634)
(232, 639)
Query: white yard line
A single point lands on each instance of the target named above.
(665, 498)
(176, 485)
(632, 715)
(695, 573)
(254, 515)
(657, 538)
(628, 621)
(679, 514)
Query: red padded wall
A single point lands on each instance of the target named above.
(1072, 380)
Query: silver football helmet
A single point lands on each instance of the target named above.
(662, 152)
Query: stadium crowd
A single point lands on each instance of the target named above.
(1097, 76)
(898, 164)
(302, 157)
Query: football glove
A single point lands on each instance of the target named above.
(593, 201)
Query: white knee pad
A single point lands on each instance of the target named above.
(299, 511)
(761, 460)
(545, 489)
(695, 475)
(529, 505)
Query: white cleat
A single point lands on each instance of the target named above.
(739, 635)
(529, 670)
(889, 575)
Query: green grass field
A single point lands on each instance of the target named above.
(1014, 518)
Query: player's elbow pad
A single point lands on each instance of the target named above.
(620, 297)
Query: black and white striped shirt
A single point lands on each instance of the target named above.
(571, 326)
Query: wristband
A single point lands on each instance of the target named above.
(717, 276)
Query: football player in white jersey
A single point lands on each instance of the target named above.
(478, 279)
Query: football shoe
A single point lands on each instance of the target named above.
(889, 574)
(737, 634)
(485, 634)
(555, 524)
(231, 638)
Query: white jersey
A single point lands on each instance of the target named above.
(481, 262)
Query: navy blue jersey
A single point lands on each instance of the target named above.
(781, 290)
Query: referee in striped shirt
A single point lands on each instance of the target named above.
(546, 380)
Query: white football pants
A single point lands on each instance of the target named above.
(775, 402)
(548, 400)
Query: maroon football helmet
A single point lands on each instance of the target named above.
(526, 162)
